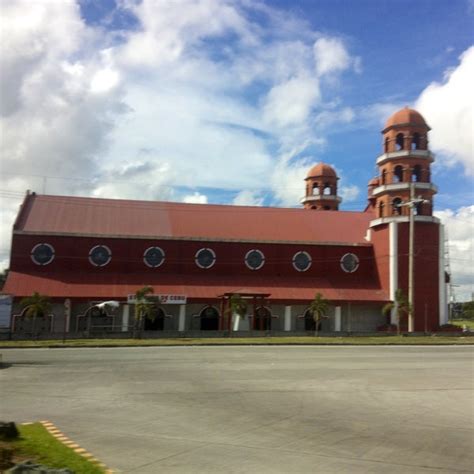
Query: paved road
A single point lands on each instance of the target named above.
(253, 409)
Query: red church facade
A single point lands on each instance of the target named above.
(81, 251)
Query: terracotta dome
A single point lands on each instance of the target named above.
(374, 181)
(406, 116)
(321, 169)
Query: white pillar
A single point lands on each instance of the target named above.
(236, 319)
(182, 318)
(287, 322)
(393, 266)
(443, 301)
(337, 319)
(125, 317)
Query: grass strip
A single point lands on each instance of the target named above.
(37, 442)
(224, 341)
(469, 323)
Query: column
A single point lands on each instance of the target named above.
(443, 300)
(287, 326)
(337, 319)
(393, 265)
(236, 319)
(125, 317)
(182, 318)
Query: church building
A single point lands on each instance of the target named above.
(82, 252)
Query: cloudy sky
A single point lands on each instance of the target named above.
(231, 101)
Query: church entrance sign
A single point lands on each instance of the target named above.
(161, 299)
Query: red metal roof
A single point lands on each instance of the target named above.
(67, 285)
(66, 215)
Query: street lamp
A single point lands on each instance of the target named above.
(411, 204)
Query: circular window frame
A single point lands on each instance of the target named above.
(342, 264)
(151, 248)
(309, 264)
(45, 263)
(96, 264)
(196, 258)
(261, 264)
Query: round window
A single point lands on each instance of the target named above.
(350, 263)
(42, 254)
(205, 258)
(254, 259)
(154, 257)
(100, 255)
(301, 261)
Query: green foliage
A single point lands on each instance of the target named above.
(468, 314)
(318, 307)
(468, 306)
(400, 305)
(36, 442)
(3, 277)
(144, 308)
(36, 305)
(238, 306)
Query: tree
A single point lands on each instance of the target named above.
(3, 277)
(35, 306)
(238, 307)
(400, 305)
(318, 308)
(144, 308)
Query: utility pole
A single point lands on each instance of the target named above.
(411, 204)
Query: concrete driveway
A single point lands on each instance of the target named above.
(253, 409)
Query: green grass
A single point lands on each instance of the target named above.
(35, 441)
(302, 340)
(461, 322)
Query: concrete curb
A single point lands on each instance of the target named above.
(62, 438)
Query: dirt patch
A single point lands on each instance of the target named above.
(11, 455)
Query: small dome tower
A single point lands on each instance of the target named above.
(406, 159)
(321, 189)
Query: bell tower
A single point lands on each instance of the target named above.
(408, 240)
(321, 189)
(406, 159)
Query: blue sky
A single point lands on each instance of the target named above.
(232, 101)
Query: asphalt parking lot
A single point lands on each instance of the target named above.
(253, 409)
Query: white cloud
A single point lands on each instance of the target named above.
(104, 80)
(349, 193)
(460, 233)
(291, 102)
(195, 198)
(172, 29)
(248, 198)
(449, 110)
(331, 56)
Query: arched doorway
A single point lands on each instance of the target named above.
(156, 322)
(209, 319)
(263, 319)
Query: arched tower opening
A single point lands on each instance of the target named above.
(405, 162)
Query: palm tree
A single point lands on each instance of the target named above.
(400, 305)
(144, 308)
(238, 307)
(35, 306)
(318, 308)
